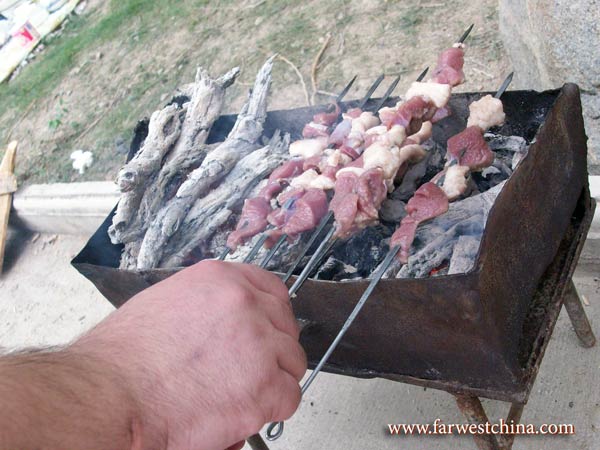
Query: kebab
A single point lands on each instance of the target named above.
(418, 111)
(255, 212)
(466, 152)
(352, 209)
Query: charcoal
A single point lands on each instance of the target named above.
(365, 249)
(435, 240)
(434, 246)
(335, 270)
(420, 172)
(392, 210)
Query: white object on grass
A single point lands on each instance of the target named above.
(82, 160)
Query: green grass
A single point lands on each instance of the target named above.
(37, 80)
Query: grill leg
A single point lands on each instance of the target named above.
(578, 317)
(256, 443)
(472, 409)
(514, 416)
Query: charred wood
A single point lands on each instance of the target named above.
(241, 141)
(210, 213)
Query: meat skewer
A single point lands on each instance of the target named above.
(466, 151)
(456, 76)
(276, 429)
(317, 232)
(263, 238)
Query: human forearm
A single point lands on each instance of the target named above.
(201, 360)
(65, 399)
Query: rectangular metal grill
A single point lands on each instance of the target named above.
(482, 333)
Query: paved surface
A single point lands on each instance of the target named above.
(43, 301)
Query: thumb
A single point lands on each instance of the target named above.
(237, 446)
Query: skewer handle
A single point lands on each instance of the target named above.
(275, 429)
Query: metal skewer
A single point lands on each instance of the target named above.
(466, 34)
(504, 85)
(276, 429)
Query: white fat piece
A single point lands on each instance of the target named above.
(336, 158)
(381, 156)
(423, 134)
(396, 135)
(387, 109)
(311, 179)
(358, 171)
(322, 182)
(368, 119)
(307, 148)
(437, 93)
(486, 113)
(455, 181)
(412, 153)
(304, 179)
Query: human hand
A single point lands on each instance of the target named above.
(211, 355)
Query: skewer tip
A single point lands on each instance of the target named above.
(420, 77)
(466, 34)
(372, 89)
(504, 86)
(346, 89)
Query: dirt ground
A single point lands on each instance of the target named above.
(338, 412)
(131, 68)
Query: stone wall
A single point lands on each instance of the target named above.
(551, 42)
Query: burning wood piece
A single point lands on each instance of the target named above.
(133, 179)
(212, 211)
(204, 107)
(139, 204)
(240, 142)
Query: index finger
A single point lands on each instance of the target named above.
(264, 280)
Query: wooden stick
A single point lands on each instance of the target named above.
(315, 67)
(8, 185)
(300, 77)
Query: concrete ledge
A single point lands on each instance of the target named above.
(64, 208)
(80, 208)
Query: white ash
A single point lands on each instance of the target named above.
(464, 254)
(209, 214)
